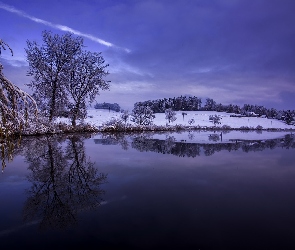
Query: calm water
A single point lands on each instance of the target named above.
(146, 191)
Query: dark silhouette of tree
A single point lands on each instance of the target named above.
(64, 181)
(210, 105)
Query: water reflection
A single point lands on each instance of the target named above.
(64, 180)
(203, 203)
(9, 147)
(183, 148)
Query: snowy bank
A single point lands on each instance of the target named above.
(97, 117)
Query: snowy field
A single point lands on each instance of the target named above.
(97, 117)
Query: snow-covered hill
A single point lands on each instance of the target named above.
(97, 117)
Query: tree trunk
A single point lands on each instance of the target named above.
(74, 118)
(52, 104)
(75, 114)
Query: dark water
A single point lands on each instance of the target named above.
(142, 192)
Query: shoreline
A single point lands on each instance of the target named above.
(88, 128)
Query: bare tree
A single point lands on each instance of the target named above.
(49, 65)
(170, 115)
(215, 119)
(86, 80)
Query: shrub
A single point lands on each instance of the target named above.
(226, 127)
(259, 127)
(191, 121)
(113, 125)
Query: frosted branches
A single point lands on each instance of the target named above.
(16, 109)
(16, 106)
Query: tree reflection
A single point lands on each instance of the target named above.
(167, 146)
(113, 139)
(64, 181)
(9, 148)
(145, 142)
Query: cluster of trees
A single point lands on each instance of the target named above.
(184, 103)
(175, 103)
(109, 106)
(65, 75)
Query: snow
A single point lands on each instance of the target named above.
(97, 117)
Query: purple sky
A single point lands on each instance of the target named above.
(234, 51)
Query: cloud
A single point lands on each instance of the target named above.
(59, 27)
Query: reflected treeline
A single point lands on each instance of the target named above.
(184, 149)
(114, 139)
(64, 180)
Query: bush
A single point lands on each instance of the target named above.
(113, 125)
(259, 127)
(191, 121)
(245, 128)
(226, 127)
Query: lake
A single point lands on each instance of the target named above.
(189, 190)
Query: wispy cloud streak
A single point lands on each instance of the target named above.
(58, 26)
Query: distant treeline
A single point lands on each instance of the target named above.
(106, 105)
(193, 103)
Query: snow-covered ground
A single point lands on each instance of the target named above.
(97, 117)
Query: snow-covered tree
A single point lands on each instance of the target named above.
(272, 113)
(16, 106)
(170, 115)
(288, 117)
(49, 65)
(142, 115)
(215, 119)
(125, 116)
(87, 71)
